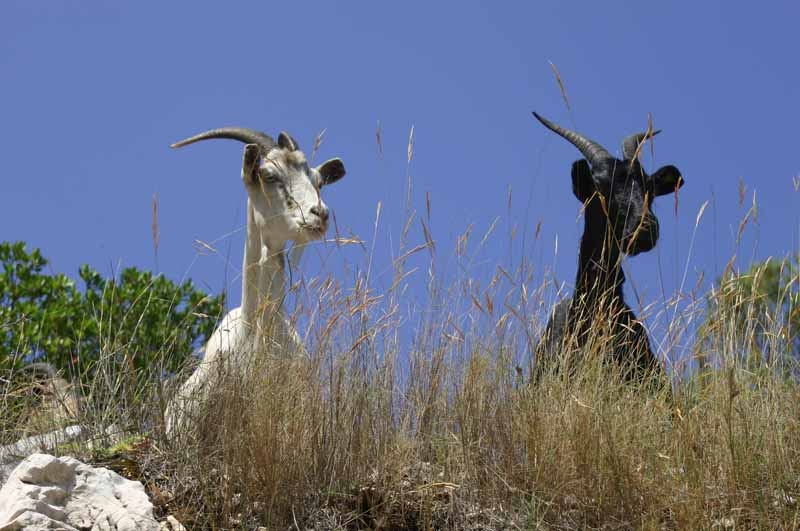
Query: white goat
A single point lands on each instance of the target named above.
(283, 204)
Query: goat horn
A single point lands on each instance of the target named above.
(590, 149)
(242, 134)
(631, 143)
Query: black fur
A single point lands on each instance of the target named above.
(618, 220)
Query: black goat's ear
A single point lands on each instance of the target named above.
(331, 171)
(286, 141)
(582, 182)
(251, 161)
(666, 180)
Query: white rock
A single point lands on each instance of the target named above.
(29, 521)
(13, 454)
(46, 492)
(172, 524)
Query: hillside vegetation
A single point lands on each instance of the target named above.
(426, 418)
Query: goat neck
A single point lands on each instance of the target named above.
(600, 273)
(263, 279)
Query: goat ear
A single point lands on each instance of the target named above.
(286, 141)
(666, 180)
(251, 162)
(582, 182)
(331, 171)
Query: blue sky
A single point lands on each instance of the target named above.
(94, 92)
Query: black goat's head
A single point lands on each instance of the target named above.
(617, 191)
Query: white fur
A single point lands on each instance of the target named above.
(276, 214)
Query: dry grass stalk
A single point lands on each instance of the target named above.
(426, 417)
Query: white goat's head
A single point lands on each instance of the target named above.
(283, 190)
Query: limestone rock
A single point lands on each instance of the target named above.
(46, 492)
(13, 454)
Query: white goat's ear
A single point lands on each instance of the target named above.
(251, 162)
(331, 171)
(286, 141)
(666, 180)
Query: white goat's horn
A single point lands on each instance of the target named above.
(242, 134)
(590, 149)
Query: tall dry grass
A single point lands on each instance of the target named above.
(423, 415)
(427, 419)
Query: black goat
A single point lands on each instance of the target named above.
(617, 196)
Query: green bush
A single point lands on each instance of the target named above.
(764, 302)
(139, 319)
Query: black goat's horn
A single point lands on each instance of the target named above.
(631, 143)
(590, 149)
(242, 134)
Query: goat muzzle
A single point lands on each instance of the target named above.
(644, 238)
